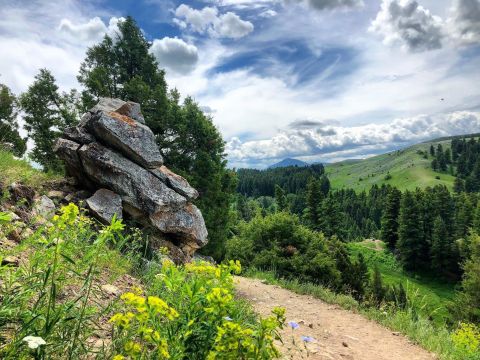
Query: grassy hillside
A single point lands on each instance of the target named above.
(12, 169)
(431, 295)
(408, 170)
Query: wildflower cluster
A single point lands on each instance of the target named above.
(236, 342)
(467, 339)
(146, 314)
(191, 313)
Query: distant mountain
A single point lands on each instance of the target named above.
(288, 162)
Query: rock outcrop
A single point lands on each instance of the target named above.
(114, 153)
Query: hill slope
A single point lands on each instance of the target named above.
(408, 170)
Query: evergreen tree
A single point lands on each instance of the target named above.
(448, 156)
(458, 185)
(464, 210)
(324, 185)
(411, 244)
(468, 300)
(360, 277)
(390, 218)
(378, 290)
(47, 113)
(440, 250)
(8, 122)
(331, 219)
(432, 151)
(281, 198)
(476, 218)
(314, 200)
(191, 145)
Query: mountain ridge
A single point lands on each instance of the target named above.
(288, 162)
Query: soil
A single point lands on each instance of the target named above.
(337, 334)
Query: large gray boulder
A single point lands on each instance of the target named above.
(134, 140)
(127, 108)
(67, 151)
(78, 134)
(113, 153)
(187, 223)
(104, 204)
(175, 181)
(136, 185)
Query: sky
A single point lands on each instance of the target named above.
(317, 80)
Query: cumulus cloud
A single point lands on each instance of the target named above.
(408, 23)
(91, 31)
(310, 141)
(208, 20)
(175, 54)
(464, 22)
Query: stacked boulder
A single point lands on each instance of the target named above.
(113, 153)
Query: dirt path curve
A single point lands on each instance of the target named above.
(338, 333)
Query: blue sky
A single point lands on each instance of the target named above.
(319, 80)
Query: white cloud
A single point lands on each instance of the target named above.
(199, 20)
(175, 54)
(328, 139)
(464, 22)
(207, 20)
(408, 23)
(230, 25)
(91, 31)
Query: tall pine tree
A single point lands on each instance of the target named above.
(46, 114)
(390, 218)
(411, 244)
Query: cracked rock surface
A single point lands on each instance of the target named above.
(114, 154)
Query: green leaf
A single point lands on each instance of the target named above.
(5, 217)
(69, 259)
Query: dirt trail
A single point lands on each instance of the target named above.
(338, 333)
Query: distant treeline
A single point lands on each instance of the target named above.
(292, 179)
(462, 160)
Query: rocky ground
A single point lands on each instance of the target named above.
(335, 333)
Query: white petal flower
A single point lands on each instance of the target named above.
(34, 341)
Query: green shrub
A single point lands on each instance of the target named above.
(279, 241)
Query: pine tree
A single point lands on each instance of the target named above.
(378, 290)
(360, 277)
(324, 185)
(390, 218)
(464, 210)
(331, 218)
(458, 185)
(476, 218)
(281, 198)
(47, 113)
(314, 200)
(440, 250)
(411, 244)
(432, 151)
(448, 156)
(468, 300)
(8, 122)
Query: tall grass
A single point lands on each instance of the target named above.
(13, 169)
